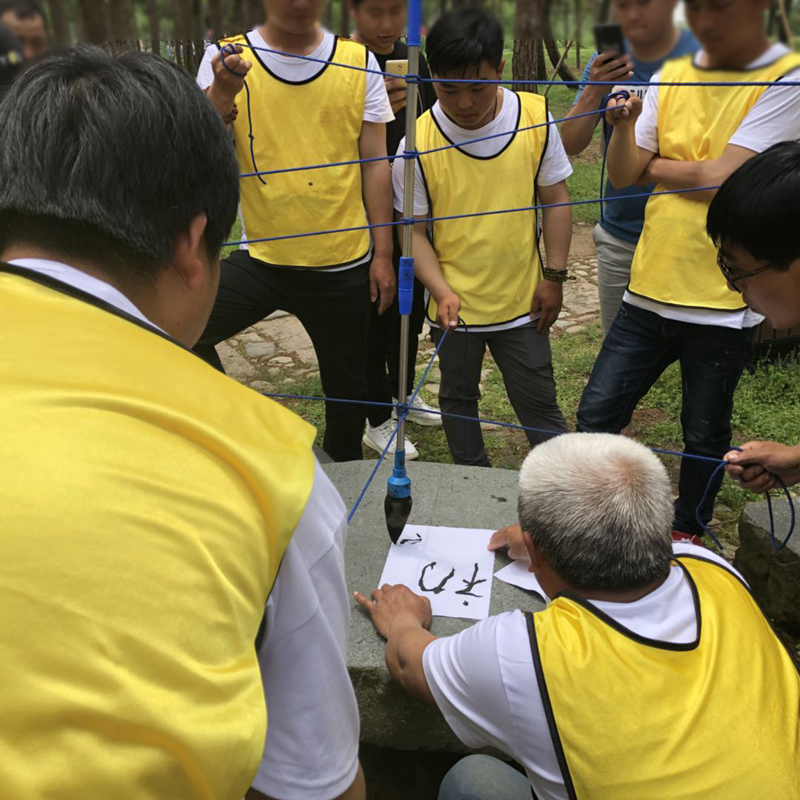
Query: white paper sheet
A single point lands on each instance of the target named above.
(517, 574)
(449, 566)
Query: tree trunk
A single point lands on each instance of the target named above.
(344, 19)
(442, 6)
(604, 11)
(153, 26)
(327, 16)
(217, 19)
(94, 15)
(578, 15)
(58, 18)
(784, 15)
(528, 62)
(121, 21)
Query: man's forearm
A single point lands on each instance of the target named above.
(557, 233)
(670, 175)
(426, 264)
(576, 134)
(221, 99)
(377, 182)
(623, 162)
(404, 650)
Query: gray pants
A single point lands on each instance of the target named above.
(523, 356)
(614, 257)
(481, 777)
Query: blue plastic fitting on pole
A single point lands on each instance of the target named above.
(405, 286)
(399, 484)
(414, 22)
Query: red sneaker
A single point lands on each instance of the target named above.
(681, 536)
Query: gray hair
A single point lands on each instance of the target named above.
(599, 507)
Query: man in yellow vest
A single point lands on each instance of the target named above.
(748, 220)
(678, 306)
(147, 502)
(652, 673)
(327, 108)
(487, 271)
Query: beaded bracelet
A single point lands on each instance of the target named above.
(558, 275)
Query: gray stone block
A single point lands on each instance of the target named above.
(773, 575)
(469, 497)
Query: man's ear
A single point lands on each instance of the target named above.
(534, 553)
(189, 254)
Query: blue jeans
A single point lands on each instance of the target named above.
(636, 351)
(484, 778)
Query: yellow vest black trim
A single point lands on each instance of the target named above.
(115, 434)
(303, 123)
(491, 262)
(675, 262)
(632, 717)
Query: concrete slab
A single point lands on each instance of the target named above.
(443, 495)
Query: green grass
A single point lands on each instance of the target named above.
(765, 407)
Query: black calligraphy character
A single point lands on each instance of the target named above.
(436, 589)
(410, 541)
(471, 584)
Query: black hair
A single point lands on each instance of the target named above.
(109, 158)
(758, 207)
(24, 9)
(462, 39)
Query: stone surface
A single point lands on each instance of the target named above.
(262, 386)
(289, 336)
(259, 349)
(237, 367)
(575, 329)
(443, 495)
(773, 575)
(280, 361)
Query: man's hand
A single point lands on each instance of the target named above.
(609, 67)
(621, 113)
(512, 538)
(447, 308)
(382, 282)
(757, 465)
(547, 300)
(395, 607)
(229, 77)
(397, 89)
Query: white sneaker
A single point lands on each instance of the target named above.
(419, 413)
(377, 439)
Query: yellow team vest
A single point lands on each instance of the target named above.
(675, 261)
(146, 501)
(632, 718)
(492, 263)
(299, 124)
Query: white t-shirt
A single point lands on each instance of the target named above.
(484, 683)
(377, 107)
(555, 164)
(311, 750)
(774, 118)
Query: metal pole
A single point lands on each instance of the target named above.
(398, 496)
(409, 176)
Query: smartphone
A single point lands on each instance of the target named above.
(397, 66)
(608, 39)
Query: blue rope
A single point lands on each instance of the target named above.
(374, 472)
(417, 153)
(465, 216)
(421, 79)
(662, 451)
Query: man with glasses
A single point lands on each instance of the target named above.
(678, 306)
(748, 221)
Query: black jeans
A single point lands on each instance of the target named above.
(383, 350)
(523, 356)
(334, 309)
(637, 349)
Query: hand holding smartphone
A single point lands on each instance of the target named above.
(612, 63)
(396, 88)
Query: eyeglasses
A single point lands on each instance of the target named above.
(733, 277)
